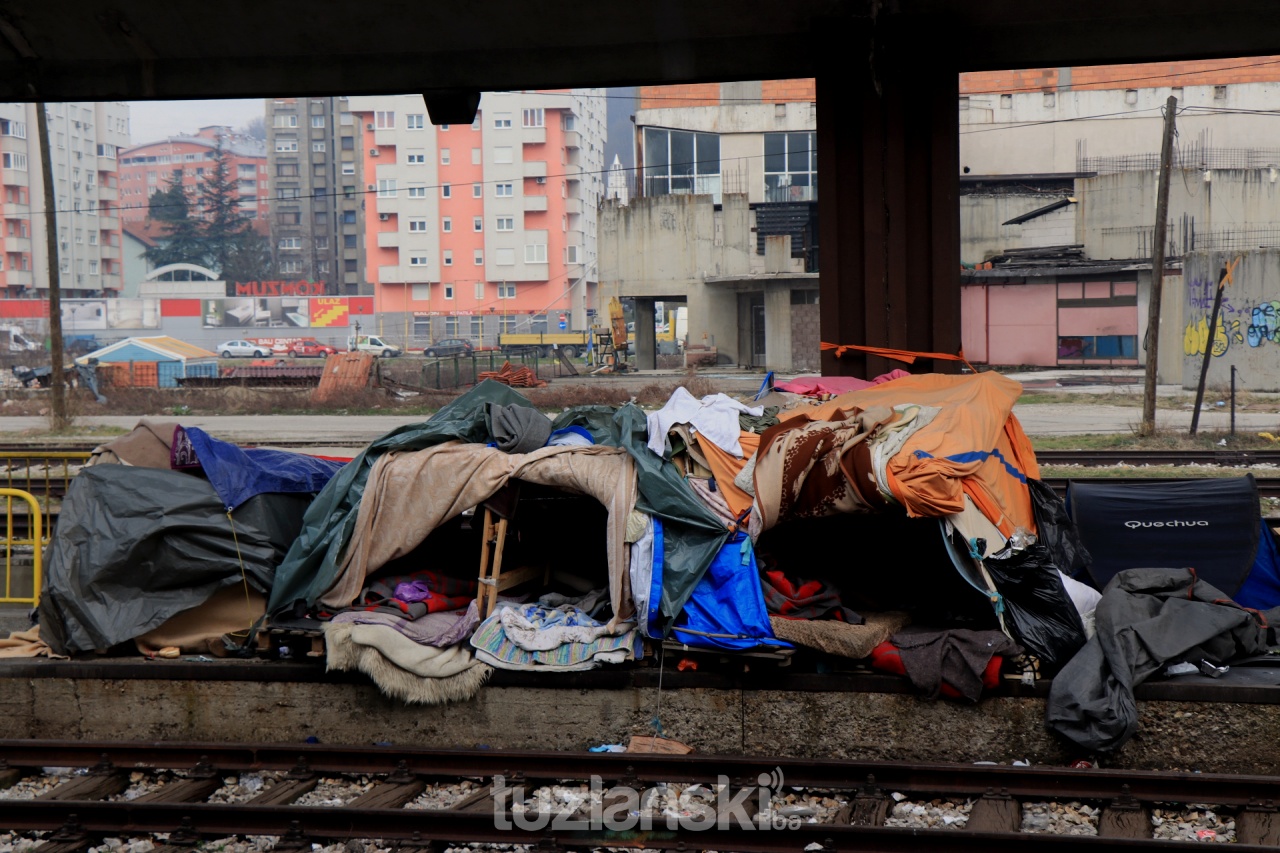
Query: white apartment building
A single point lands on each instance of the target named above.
(83, 140)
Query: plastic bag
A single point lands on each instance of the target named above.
(1037, 610)
(1058, 532)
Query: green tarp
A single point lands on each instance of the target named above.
(695, 535)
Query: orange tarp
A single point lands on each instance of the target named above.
(974, 446)
(725, 466)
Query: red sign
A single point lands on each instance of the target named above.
(276, 288)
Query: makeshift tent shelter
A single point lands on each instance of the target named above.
(169, 360)
(137, 544)
(1211, 525)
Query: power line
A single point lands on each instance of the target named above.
(1108, 83)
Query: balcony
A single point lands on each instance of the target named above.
(110, 253)
(572, 139)
(16, 244)
(108, 164)
(111, 281)
(533, 135)
(535, 168)
(15, 177)
(390, 275)
(573, 205)
(385, 138)
(387, 204)
(108, 223)
(388, 239)
(535, 203)
(16, 211)
(106, 193)
(18, 277)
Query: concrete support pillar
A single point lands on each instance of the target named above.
(645, 344)
(713, 320)
(777, 328)
(889, 222)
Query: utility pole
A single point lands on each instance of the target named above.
(57, 381)
(1157, 272)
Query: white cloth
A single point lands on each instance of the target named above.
(715, 416)
(1085, 598)
(642, 574)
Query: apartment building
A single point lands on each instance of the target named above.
(84, 139)
(151, 166)
(316, 199)
(479, 229)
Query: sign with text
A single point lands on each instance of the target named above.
(276, 288)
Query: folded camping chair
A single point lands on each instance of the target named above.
(1210, 525)
(492, 580)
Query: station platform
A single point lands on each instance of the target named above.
(1230, 724)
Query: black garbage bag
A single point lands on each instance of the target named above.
(1057, 532)
(1037, 610)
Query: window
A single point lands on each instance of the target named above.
(504, 190)
(13, 128)
(444, 128)
(446, 257)
(348, 217)
(501, 121)
(283, 170)
(14, 160)
(569, 122)
(322, 267)
(417, 192)
(93, 267)
(291, 266)
(448, 293)
(422, 293)
(444, 156)
(417, 226)
(384, 120)
(479, 291)
(286, 121)
(504, 257)
(350, 265)
(506, 291)
(508, 323)
(286, 145)
(446, 190)
(502, 154)
(477, 190)
(317, 147)
(477, 327)
(348, 143)
(289, 217)
(477, 223)
(532, 118)
(413, 121)
(416, 159)
(535, 253)
(790, 167)
(317, 121)
(477, 257)
(679, 161)
(573, 254)
(446, 224)
(287, 192)
(322, 242)
(506, 223)
(348, 168)
(475, 156)
(290, 244)
(387, 188)
(349, 241)
(418, 261)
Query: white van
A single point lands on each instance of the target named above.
(373, 344)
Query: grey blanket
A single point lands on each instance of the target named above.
(517, 429)
(1146, 618)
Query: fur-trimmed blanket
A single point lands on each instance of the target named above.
(403, 669)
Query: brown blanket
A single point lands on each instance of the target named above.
(146, 445)
(193, 630)
(411, 494)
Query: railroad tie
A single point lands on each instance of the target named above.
(995, 813)
(71, 837)
(1125, 817)
(301, 780)
(102, 781)
(9, 776)
(1258, 823)
(870, 806)
(202, 781)
(393, 792)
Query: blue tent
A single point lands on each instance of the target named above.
(237, 474)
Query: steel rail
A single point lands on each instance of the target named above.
(647, 769)
(1105, 458)
(426, 825)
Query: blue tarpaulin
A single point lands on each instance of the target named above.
(237, 474)
(726, 609)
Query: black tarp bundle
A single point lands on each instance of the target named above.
(1146, 619)
(136, 546)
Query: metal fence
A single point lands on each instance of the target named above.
(1193, 155)
(24, 537)
(462, 370)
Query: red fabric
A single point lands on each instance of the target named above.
(885, 658)
(814, 386)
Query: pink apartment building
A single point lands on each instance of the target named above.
(146, 168)
(473, 230)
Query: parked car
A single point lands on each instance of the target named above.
(448, 346)
(242, 349)
(373, 344)
(311, 349)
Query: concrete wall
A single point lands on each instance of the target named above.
(982, 234)
(1038, 132)
(1247, 333)
(805, 337)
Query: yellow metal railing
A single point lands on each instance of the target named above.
(34, 523)
(44, 474)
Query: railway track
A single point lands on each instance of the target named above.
(725, 814)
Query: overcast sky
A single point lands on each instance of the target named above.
(152, 120)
